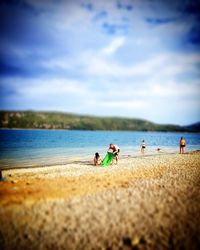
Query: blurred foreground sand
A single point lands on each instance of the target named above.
(143, 203)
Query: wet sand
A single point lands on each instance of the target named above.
(150, 202)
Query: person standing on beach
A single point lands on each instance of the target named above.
(143, 146)
(116, 151)
(182, 145)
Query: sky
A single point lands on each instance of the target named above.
(126, 58)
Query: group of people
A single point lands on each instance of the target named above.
(112, 148)
(182, 145)
(115, 150)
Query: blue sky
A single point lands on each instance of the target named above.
(137, 59)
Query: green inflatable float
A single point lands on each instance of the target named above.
(108, 159)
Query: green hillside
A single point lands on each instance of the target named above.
(54, 120)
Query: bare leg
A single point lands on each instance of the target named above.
(116, 158)
(181, 150)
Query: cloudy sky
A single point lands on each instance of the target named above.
(134, 58)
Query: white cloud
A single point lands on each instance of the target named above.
(166, 65)
(115, 44)
(143, 41)
(100, 65)
(45, 87)
(175, 89)
(123, 104)
(57, 63)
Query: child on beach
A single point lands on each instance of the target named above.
(182, 145)
(97, 159)
(143, 146)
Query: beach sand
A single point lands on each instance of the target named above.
(150, 202)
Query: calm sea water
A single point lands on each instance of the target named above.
(47, 147)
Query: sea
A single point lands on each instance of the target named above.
(33, 148)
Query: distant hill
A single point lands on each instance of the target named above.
(56, 120)
(194, 127)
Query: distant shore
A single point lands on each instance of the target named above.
(107, 130)
(69, 121)
(63, 129)
(142, 203)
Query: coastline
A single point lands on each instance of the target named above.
(84, 159)
(102, 130)
(77, 160)
(143, 203)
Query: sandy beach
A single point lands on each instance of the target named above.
(150, 202)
